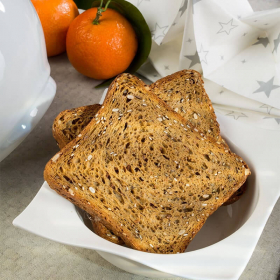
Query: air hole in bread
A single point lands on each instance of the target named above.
(166, 157)
(67, 179)
(128, 168)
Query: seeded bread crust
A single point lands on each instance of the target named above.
(104, 232)
(167, 212)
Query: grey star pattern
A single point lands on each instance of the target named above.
(262, 41)
(159, 31)
(276, 43)
(194, 59)
(277, 119)
(189, 41)
(267, 107)
(243, 61)
(236, 115)
(183, 8)
(244, 34)
(174, 23)
(222, 57)
(155, 75)
(140, 1)
(222, 90)
(239, 17)
(166, 67)
(202, 55)
(227, 27)
(266, 87)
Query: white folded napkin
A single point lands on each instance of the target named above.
(236, 49)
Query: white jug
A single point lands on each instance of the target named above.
(26, 88)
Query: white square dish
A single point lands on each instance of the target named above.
(223, 247)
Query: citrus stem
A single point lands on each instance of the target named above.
(100, 11)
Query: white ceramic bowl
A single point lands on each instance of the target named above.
(222, 248)
(26, 88)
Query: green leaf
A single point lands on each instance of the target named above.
(83, 4)
(134, 16)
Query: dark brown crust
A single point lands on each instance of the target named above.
(236, 196)
(123, 232)
(104, 232)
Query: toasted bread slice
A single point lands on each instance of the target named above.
(69, 123)
(151, 177)
(66, 127)
(184, 92)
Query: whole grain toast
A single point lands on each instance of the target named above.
(69, 123)
(66, 127)
(183, 91)
(152, 178)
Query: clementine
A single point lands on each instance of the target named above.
(103, 49)
(55, 17)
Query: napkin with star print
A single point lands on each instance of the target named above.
(236, 49)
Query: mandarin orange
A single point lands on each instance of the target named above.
(55, 17)
(103, 50)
